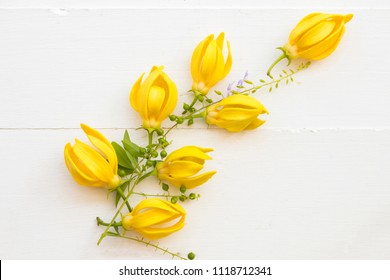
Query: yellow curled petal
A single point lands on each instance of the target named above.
(189, 151)
(150, 217)
(183, 169)
(155, 218)
(103, 145)
(154, 103)
(157, 233)
(306, 24)
(189, 183)
(240, 101)
(79, 173)
(220, 39)
(324, 48)
(255, 124)
(229, 61)
(135, 95)
(238, 114)
(197, 56)
(93, 161)
(209, 63)
(218, 72)
(170, 100)
(316, 34)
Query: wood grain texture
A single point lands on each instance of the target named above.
(277, 195)
(312, 183)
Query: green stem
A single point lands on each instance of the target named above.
(153, 195)
(148, 243)
(194, 101)
(100, 222)
(255, 88)
(139, 175)
(283, 56)
(120, 192)
(150, 136)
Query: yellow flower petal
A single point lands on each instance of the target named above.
(198, 55)
(190, 182)
(93, 161)
(155, 218)
(79, 173)
(208, 65)
(134, 96)
(103, 145)
(186, 151)
(183, 169)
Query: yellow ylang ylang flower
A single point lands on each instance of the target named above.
(315, 37)
(236, 113)
(155, 218)
(208, 65)
(155, 98)
(92, 167)
(181, 166)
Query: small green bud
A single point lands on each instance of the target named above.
(191, 256)
(186, 106)
(160, 131)
(153, 153)
(172, 117)
(121, 172)
(190, 121)
(165, 187)
(174, 199)
(200, 98)
(192, 196)
(182, 198)
(179, 120)
(208, 100)
(163, 154)
(183, 189)
(149, 163)
(142, 151)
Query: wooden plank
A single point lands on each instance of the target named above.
(62, 69)
(277, 195)
(218, 4)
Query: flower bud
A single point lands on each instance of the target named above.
(90, 167)
(208, 65)
(155, 218)
(181, 166)
(236, 113)
(315, 37)
(155, 98)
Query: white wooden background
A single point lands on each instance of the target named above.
(312, 183)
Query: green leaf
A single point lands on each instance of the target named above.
(126, 136)
(110, 233)
(248, 82)
(218, 92)
(262, 81)
(132, 148)
(122, 156)
(134, 160)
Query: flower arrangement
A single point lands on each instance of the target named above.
(120, 167)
